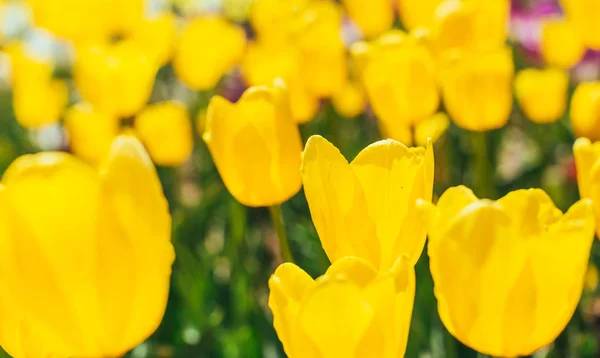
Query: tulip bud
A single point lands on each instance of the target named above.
(560, 44)
(116, 79)
(350, 101)
(86, 254)
(477, 89)
(256, 145)
(90, 133)
(349, 312)
(367, 208)
(542, 94)
(208, 48)
(507, 274)
(583, 15)
(585, 110)
(372, 17)
(166, 130)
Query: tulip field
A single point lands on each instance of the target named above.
(299, 178)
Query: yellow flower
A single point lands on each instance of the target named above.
(116, 79)
(477, 89)
(542, 93)
(585, 110)
(417, 13)
(166, 130)
(587, 157)
(349, 312)
(399, 77)
(38, 98)
(256, 145)
(90, 133)
(368, 208)
(86, 255)
(560, 45)
(350, 101)
(277, 21)
(591, 278)
(264, 62)
(431, 128)
(373, 17)
(583, 14)
(208, 48)
(157, 36)
(470, 25)
(508, 274)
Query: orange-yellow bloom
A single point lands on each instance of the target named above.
(373, 17)
(349, 312)
(508, 274)
(367, 208)
(256, 145)
(542, 94)
(417, 13)
(85, 254)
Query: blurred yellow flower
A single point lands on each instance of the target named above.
(157, 36)
(277, 21)
(585, 110)
(256, 145)
(349, 312)
(399, 76)
(86, 255)
(591, 278)
(350, 101)
(560, 45)
(209, 47)
(90, 133)
(116, 79)
(587, 157)
(583, 14)
(373, 17)
(166, 130)
(542, 94)
(417, 13)
(477, 89)
(431, 128)
(38, 98)
(508, 274)
(368, 208)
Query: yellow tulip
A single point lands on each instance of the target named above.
(591, 278)
(166, 130)
(208, 48)
(277, 21)
(90, 133)
(431, 128)
(116, 79)
(417, 13)
(508, 274)
(350, 101)
(349, 312)
(585, 110)
(477, 89)
(256, 145)
(583, 15)
(399, 77)
(542, 94)
(38, 98)
(157, 36)
(560, 44)
(372, 17)
(86, 255)
(587, 157)
(368, 208)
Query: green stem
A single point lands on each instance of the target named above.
(484, 172)
(284, 248)
(450, 345)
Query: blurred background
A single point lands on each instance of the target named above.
(63, 70)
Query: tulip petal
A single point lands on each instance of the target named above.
(586, 155)
(337, 204)
(355, 269)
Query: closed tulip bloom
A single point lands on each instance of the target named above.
(372, 17)
(166, 130)
(350, 101)
(477, 89)
(417, 13)
(542, 94)
(585, 110)
(431, 128)
(507, 274)
(90, 132)
(560, 45)
(86, 254)
(367, 208)
(115, 78)
(587, 157)
(157, 36)
(399, 77)
(350, 311)
(256, 145)
(209, 47)
(583, 15)
(276, 21)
